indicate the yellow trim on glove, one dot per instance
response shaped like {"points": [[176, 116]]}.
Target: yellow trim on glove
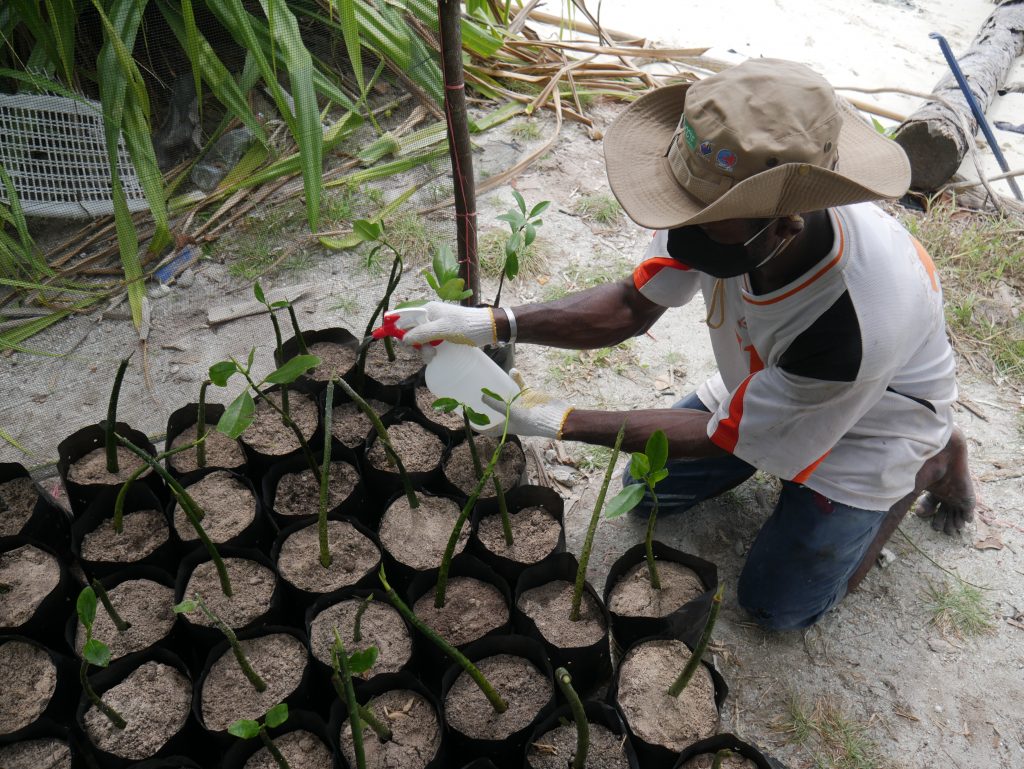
{"points": [[561, 425]]}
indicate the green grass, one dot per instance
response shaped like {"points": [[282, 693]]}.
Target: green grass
{"points": [[576, 365], [974, 254], [599, 206], [833, 738], [257, 248], [527, 130], [590, 457], [958, 609], [408, 233], [491, 252]]}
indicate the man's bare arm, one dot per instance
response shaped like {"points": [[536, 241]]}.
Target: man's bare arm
{"points": [[598, 317], [686, 430]]}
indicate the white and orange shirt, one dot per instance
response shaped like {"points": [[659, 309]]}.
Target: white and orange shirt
{"points": [[842, 380]]}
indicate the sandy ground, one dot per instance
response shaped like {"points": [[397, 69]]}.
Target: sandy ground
{"points": [[925, 698]]}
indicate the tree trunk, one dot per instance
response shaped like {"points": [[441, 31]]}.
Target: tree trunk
{"points": [[449, 21], [934, 137]]}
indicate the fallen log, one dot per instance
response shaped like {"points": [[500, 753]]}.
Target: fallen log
{"points": [[936, 137]]}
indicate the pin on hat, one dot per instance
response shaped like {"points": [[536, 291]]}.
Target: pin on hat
{"points": [[765, 138]]}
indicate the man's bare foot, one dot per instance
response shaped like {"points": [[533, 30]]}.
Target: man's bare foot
{"points": [[948, 493]]}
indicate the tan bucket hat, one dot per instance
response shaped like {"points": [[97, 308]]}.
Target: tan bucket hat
{"points": [[762, 139]]}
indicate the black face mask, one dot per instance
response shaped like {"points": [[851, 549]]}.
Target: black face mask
{"points": [[692, 247]]}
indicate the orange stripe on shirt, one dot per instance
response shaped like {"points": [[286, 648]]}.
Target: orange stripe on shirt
{"points": [[810, 280], [808, 471], [648, 268], [926, 260], [727, 434]]}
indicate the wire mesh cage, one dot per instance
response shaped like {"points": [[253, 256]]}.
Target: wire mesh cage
{"points": [[54, 150]]}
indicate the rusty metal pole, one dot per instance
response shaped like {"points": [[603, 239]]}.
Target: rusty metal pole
{"points": [[449, 14]]}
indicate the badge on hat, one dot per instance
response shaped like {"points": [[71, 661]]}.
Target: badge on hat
{"points": [[726, 160], [689, 135], [706, 148]]}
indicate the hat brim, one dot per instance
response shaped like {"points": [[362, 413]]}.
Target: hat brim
{"points": [[870, 167]]}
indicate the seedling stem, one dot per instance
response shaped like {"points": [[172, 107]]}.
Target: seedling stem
{"points": [[111, 422], [101, 593], [201, 426], [357, 630], [579, 715], [691, 666], [325, 477], [254, 678]]}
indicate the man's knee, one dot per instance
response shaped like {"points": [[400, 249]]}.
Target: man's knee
{"points": [[775, 607]]}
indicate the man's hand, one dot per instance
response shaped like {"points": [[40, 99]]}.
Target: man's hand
{"points": [[948, 497], [948, 515], [534, 412], [448, 322]]}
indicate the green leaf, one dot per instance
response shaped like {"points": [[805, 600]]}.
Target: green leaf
{"points": [[476, 417], [252, 355], [639, 466], [512, 245], [625, 500], [342, 244], [529, 233], [512, 266], [491, 394], [432, 282], [519, 200], [257, 291], [658, 476], [445, 405], [514, 218], [185, 607], [277, 715], [540, 208], [362, 661], [411, 303], [86, 607], [96, 653], [237, 416], [452, 290], [244, 728], [221, 372], [293, 369], [657, 450], [366, 229], [350, 33]]}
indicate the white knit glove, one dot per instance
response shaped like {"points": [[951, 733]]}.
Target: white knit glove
{"points": [[447, 322], [534, 412]]}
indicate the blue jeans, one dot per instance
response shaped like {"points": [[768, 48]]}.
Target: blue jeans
{"points": [[805, 553]]}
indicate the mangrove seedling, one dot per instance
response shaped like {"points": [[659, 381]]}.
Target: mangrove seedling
{"points": [[344, 667], [325, 478], [94, 652], [579, 715], [242, 410], [648, 468], [385, 440], [201, 425], [357, 629], [108, 607], [110, 423], [373, 232], [193, 512], [702, 646], [588, 541], [257, 291], [197, 602], [444, 279], [720, 757], [446, 406], [499, 704], [523, 230], [453, 539], [247, 730]]}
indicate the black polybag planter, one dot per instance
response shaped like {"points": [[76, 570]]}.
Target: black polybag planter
{"points": [[174, 640], [506, 753], [60, 708], [101, 513], [202, 639], [168, 762], [258, 463], [431, 661], [259, 533], [519, 498], [377, 686], [722, 741], [401, 574], [186, 741], [597, 713], [46, 625], [186, 418], [653, 756], [298, 599], [385, 484], [480, 763], [324, 671], [373, 387], [591, 665], [47, 523], [298, 720], [457, 439], [299, 698], [59, 731], [353, 505], [686, 623], [92, 437], [335, 335]]}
